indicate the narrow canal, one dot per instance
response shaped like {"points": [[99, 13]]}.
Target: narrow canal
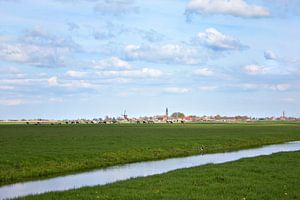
{"points": [[141, 169]]}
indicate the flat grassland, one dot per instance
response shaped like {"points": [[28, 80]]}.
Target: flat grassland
{"points": [[31, 152], [266, 177]]}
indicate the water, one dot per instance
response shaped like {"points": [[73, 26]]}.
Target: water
{"points": [[142, 169]]}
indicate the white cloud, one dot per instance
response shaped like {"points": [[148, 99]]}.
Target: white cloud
{"points": [[34, 55], [282, 87], [289, 100], [216, 40], [151, 72], [150, 35], [237, 8], [203, 72], [270, 55], [109, 31], [177, 90], [23, 81], [6, 87], [249, 86], [75, 84], [277, 87], [144, 72], [167, 53], [56, 100], [10, 70], [208, 88], [113, 62], [116, 7], [71, 84], [38, 48], [76, 74], [11, 102], [53, 81], [255, 69], [14, 53]]}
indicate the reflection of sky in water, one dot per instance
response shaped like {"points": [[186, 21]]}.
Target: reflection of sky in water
{"points": [[113, 174]]}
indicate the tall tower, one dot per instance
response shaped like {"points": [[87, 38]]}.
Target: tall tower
{"points": [[125, 115], [167, 113], [283, 114]]}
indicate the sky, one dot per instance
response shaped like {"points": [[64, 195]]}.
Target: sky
{"points": [[69, 59]]}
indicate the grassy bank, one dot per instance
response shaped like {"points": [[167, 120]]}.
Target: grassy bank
{"points": [[267, 177], [30, 152]]}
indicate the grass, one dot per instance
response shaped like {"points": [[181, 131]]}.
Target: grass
{"points": [[267, 177], [31, 152]]}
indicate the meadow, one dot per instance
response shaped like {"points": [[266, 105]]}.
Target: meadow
{"points": [[266, 177], [31, 152]]}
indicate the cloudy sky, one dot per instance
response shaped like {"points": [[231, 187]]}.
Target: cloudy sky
{"points": [[91, 58]]}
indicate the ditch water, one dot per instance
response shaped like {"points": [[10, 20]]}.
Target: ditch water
{"points": [[141, 169]]}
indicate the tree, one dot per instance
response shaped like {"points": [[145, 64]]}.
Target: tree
{"points": [[178, 115]]}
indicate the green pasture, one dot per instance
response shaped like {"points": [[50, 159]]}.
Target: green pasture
{"points": [[30, 152]]}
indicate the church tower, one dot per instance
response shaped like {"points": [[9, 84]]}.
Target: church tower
{"points": [[167, 113]]}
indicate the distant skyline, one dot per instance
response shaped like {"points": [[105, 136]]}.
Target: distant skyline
{"points": [[91, 58]]}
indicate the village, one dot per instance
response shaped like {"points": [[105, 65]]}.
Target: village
{"points": [[176, 117]]}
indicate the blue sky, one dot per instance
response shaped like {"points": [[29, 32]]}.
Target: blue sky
{"points": [[91, 58]]}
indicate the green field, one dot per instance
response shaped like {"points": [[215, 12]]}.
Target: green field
{"points": [[32, 152], [267, 177]]}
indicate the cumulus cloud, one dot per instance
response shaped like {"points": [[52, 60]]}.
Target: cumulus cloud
{"points": [[6, 87], [112, 62], [40, 36], [72, 26], [11, 102], [38, 48], [282, 87], [270, 55], [203, 72], [13, 52], [11, 70], [150, 35], [71, 84], [289, 100], [75, 84], [144, 72], [108, 31], [177, 90], [237, 8], [116, 67], [255, 69], [276, 87], [116, 7], [56, 100], [216, 40], [167, 53], [76, 74], [208, 88], [10, 1], [53, 81], [22, 81]]}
